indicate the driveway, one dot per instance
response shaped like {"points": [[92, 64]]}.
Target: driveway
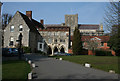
{"points": [[51, 68]]}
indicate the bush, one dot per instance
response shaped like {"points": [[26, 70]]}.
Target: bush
{"points": [[26, 49], [103, 53], [84, 52]]}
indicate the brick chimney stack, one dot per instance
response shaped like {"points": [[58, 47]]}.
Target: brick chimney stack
{"points": [[29, 14], [42, 21]]}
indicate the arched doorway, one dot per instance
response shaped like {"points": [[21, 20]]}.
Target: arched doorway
{"points": [[62, 50], [55, 49], [49, 51]]}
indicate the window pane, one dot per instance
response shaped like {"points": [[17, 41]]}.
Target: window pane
{"points": [[11, 28], [11, 39], [20, 28], [40, 46], [11, 43]]}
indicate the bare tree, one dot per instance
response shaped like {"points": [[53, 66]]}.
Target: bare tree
{"points": [[111, 16], [112, 24], [92, 44], [6, 19]]}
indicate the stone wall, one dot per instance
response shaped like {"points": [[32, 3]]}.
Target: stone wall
{"points": [[16, 21]]}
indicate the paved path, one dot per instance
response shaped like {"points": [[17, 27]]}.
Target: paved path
{"points": [[50, 68]]}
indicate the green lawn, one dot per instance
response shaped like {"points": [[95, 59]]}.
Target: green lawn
{"points": [[99, 62], [15, 69]]}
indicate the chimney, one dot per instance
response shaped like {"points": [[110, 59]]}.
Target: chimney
{"points": [[42, 21], [29, 14]]}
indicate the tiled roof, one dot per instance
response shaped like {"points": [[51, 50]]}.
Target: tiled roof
{"points": [[103, 38], [88, 26], [32, 24], [51, 25]]}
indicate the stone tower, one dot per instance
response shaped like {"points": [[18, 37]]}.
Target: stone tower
{"points": [[72, 22]]}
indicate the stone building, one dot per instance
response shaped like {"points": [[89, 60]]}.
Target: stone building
{"points": [[26, 25], [57, 38]]}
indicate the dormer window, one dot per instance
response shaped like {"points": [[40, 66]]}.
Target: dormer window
{"points": [[12, 28], [20, 28]]}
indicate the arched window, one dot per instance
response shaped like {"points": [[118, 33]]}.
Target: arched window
{"points": [[20, 28], [12, 28]]}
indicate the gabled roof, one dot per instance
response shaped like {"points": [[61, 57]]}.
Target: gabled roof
{"points": [[32, 24], [88, 26]]}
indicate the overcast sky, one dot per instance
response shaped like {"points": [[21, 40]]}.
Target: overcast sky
{"points": [[53, 12]]}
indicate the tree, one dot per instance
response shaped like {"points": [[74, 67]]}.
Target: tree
{"points": [[77, 42], [111, 16], [6, 19], [112, 24], [92, 44]]}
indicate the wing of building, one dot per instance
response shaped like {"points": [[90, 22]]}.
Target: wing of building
{"points": [[21, 23]]}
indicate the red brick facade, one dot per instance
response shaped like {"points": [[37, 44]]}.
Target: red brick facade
{"points": [[101, 40]]}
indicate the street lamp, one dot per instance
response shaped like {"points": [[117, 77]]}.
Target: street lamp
{"points": [[20, 44]]}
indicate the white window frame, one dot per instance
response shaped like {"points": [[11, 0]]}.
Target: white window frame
{"points": [[40, 49]]}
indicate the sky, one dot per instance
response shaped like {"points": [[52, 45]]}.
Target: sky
{"points": [[53, 12]]}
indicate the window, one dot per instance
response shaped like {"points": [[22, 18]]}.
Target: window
{"points": [[62, 40], [20, 28], [49, 40], [12, 29], [55, 40], [40, 46], [11, 41]]}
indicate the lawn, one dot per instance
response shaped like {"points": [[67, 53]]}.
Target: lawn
{"points": [[15, 69], [105, 63]]}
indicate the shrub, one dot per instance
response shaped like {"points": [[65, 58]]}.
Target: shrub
{"points": [[26, 49], [103, 53], [84, 52]]}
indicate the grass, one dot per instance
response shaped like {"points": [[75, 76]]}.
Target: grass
{"points": [[15, 69], [105, 63]]}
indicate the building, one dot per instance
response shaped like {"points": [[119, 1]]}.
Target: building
{"points": [[26, 25], [50, 38], [57, 38]]}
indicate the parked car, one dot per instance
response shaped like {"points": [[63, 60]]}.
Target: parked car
{"points": [[62, 54], [13, 51], [56, 53], [10, 51], [68, 54]]}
